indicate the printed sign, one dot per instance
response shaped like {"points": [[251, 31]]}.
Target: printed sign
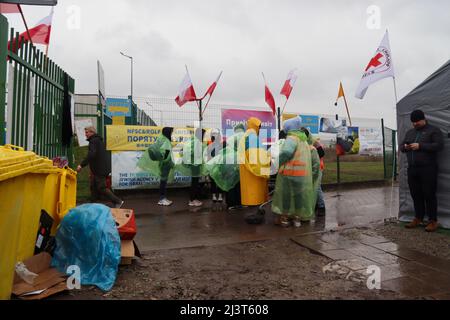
{"points": [[118, 107], [126, 175], [80, 125]]}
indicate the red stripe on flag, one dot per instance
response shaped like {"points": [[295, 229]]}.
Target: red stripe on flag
{"points": [[270, 100], [287, 89], [9, 8]]}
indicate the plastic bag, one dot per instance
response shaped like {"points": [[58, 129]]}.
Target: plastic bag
{"points": [[88, 238], [25, 274]]}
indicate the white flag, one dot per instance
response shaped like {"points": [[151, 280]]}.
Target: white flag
{"points": [[379, 67]]}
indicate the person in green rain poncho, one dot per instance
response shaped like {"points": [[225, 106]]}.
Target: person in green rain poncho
{"points": [[223, 167], [158, 162], [193, 164], [315, 164], [295, 196]]}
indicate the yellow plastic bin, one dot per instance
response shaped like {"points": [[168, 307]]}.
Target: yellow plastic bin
{"points": [[28, 185], [18, 195], [60, 194]]}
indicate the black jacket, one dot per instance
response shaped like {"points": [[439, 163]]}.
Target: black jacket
{"points": [[97, 157], [430, 140]]}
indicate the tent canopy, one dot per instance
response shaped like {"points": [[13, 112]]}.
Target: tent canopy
{"points": [[432, 97]]}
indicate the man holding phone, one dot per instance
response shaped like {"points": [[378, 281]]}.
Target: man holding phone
{"points": [[421, 146]]}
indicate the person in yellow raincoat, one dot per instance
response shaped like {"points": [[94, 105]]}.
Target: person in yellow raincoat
{"points": [[254, 163], [295, 196]]}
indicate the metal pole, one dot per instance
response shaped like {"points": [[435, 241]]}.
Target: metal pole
{"points": [[279, 119], [200, 107], [338, 170], [384, 149], [132, 62]]}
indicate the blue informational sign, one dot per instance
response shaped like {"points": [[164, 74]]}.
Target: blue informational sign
{"points": [[311, 122], [118, 107]]}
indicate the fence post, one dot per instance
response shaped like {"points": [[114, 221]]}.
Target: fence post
{"points": [[338, 170], [384, 149], [3, 65]]}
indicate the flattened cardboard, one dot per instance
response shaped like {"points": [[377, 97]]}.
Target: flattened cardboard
{"points": [[61, 287], [49, 279]]}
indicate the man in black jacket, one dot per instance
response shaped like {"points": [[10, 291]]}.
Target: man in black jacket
{"points": [[421, 146], [97, 160]]}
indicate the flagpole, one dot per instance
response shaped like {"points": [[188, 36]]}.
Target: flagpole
{"points": [[348, 113], [395, 92], [198, 101], [25, 23]]}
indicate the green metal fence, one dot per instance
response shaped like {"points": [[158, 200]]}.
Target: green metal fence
{"points": [[3, 55], [390, 153], [35, 97]]}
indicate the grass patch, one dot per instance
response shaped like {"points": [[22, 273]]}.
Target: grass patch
{"points": [[83, 191], [354, 172]]}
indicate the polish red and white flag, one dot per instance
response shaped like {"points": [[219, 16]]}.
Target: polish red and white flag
{"points": [[213, 86], [270, 100], [41, 32], [6, 8], [289, 84], [186, 92]]}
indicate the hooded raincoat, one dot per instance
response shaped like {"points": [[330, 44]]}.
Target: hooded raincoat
{"points": [[295, 194], [224, 167], [158, 159], [254, 166]]}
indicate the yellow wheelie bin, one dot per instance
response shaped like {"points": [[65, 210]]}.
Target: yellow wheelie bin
{"points": [[28, 185], [20, 192]]}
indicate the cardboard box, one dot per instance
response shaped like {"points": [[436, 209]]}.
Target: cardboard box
{"points": [[48, 282], [129, 251], [125, 222]]}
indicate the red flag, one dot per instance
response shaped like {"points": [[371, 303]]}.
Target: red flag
{"points": [[213, 86], [9, 8], [289, 84], [270, 100], [187, 92], [40, 33]]}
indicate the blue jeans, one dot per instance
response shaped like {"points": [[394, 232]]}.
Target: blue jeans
{"points": [[320, 199]]}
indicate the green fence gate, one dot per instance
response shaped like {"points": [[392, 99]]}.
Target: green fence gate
{"points": [[35, 97], [390, 152]]}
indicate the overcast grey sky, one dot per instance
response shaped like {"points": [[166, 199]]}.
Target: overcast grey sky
{"points": [[328, 41]]}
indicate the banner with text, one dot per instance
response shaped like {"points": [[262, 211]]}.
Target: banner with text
{"points": [[140, 138], [126, 175], [309, 122], [232, 117]]}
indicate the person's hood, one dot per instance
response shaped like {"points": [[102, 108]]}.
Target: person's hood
{"points": [[254, 124], [167, 132], [294, 124], [95, 136], [239, 128]]}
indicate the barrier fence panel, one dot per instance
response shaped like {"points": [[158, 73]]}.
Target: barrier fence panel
{"points": [[35, 103], [390, 153], [3, 55]]}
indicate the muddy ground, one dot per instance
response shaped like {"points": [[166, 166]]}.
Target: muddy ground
{"points": [[274, 269]]}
